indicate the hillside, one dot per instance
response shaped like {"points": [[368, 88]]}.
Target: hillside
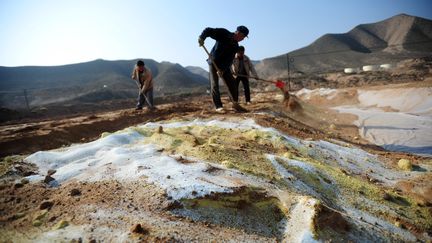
{"points": [[389, 41], [90, 82], [198, 70]]}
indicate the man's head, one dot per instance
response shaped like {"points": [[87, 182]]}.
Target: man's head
{"points": [[241, 33], [140, 65], [240, 51]]}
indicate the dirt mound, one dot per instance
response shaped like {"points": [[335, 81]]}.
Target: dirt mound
{"points": [[292, 104]]}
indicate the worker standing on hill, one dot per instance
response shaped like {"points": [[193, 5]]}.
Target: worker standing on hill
{"points": [[242, 67], [144, 79], [220, 61]]}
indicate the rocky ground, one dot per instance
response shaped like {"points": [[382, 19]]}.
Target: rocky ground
{"points": [[137, 210]]}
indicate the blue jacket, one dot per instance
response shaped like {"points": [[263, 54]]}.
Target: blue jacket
{"points": [[225, 48]]}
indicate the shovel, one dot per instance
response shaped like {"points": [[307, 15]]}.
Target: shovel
{"points": [[148, 102], [278, 83], [236, 106], [145, 97]]}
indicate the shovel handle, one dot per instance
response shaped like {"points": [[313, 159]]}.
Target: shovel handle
{"points": [[211, 58], [265, 80], [205, 49], [280, 84]]}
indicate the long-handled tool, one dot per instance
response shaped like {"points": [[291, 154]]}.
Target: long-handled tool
{"points": [[148, 102], [142, 92], [236, 105], [278, 83]]}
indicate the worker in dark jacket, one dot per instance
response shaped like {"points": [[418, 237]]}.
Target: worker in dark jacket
{"points": [[222, 55]]}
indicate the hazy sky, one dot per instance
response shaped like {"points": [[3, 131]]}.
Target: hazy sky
{"points": [[57, 32]]}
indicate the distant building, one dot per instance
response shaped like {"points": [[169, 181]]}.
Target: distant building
{"points": [[351, 70], [386, 66], [369, 68]]}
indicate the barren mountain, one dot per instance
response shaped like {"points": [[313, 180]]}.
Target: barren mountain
{"points": [[90, 82], [389, 41], [198, 70]]}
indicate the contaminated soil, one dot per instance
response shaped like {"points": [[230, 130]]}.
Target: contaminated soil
{"points": [[140, 211]]}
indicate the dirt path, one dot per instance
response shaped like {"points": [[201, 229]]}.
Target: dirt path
{"points": [[34, 136]]}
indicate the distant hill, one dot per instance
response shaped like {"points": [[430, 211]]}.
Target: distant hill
{"points": [[198, 70], [254, 62], [91, 81], [389, 41]]}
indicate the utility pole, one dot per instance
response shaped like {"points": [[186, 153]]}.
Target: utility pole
{"points": [[26, 99], [288, 69]]}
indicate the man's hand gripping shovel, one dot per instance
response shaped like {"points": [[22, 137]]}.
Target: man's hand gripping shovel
{"points": [[236, 105], [151, 107]]}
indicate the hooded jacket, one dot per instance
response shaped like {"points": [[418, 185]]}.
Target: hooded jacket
{"points": [[247, 65]]}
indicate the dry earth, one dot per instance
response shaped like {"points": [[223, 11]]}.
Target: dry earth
{"points": [[139, 210]]}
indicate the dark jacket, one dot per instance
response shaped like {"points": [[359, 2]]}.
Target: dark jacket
{"points": [[225, 48]]}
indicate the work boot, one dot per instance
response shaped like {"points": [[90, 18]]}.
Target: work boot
{"points": [[238, 107], [220, 110]]}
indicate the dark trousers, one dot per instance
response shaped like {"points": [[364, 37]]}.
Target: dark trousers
{"points": [[230, 83], [245, 82], [142, 100]]}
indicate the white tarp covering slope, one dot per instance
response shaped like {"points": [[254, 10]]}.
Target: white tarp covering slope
{"points": [[407, 127]]}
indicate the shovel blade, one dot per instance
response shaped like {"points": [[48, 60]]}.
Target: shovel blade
{"points": [[280, 84]]}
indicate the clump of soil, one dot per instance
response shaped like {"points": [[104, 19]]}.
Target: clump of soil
{"points": [[292, 104], [328, 221], [247, 209]]}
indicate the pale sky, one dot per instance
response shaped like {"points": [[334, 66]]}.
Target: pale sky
{"points": [[58, 32]]}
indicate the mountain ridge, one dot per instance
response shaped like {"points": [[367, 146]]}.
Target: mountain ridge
{"points": [[51, 84], [391, 40], [80, 73]]}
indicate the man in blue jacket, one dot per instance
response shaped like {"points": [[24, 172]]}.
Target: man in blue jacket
{"points": [[222, 56]]}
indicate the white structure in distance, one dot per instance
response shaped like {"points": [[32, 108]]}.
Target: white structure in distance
{"points": [[369, 68], [352, 70]]}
